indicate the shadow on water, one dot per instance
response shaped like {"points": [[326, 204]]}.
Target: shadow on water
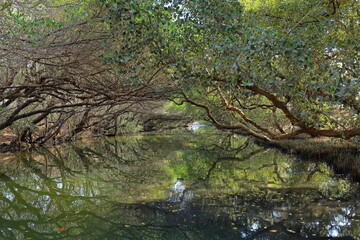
{"points": [[194, 185]]}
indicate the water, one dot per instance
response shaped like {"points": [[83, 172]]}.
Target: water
{"points": [[186, 185]]}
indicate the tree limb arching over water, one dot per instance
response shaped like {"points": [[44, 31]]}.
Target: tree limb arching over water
{"points": [[71, 69]]}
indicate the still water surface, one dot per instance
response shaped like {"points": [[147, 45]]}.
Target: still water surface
{"points": [[190, 185]]}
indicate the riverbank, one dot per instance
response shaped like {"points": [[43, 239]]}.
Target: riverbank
{"points": [[343, 156]]}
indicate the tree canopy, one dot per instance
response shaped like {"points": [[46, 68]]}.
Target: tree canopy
{"points": [[56, 79], [273, 69], [293, 64]]}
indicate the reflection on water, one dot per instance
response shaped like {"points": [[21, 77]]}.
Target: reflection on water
{"points": [[196, 185], [195, 126], [179, 194]]}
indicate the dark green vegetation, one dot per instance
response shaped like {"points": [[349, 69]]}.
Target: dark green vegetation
{"points": [[273, 69], [343, 157], [120, 188], [270, 69]]}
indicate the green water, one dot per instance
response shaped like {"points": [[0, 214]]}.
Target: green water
{"points": [[127, 188]]}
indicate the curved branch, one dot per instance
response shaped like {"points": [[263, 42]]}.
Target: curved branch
{"points": [[220, 125], [242, 114], [347, 134]]}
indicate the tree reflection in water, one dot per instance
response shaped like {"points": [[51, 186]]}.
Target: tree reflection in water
{"points": [[123, 188]]}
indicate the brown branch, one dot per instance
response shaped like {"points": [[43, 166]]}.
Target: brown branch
{"points": [[242, 114], [6, 6], [13, 116], [220, 125], [277, 103], [347, 134]]}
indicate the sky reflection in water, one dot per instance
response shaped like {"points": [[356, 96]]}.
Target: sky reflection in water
{"points": [[181, 185]]}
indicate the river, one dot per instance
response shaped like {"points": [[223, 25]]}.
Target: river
{"points": [[203, 184]]}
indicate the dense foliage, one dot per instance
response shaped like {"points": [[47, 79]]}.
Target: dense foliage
{"points": [[55, 80], [274, 69]]}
